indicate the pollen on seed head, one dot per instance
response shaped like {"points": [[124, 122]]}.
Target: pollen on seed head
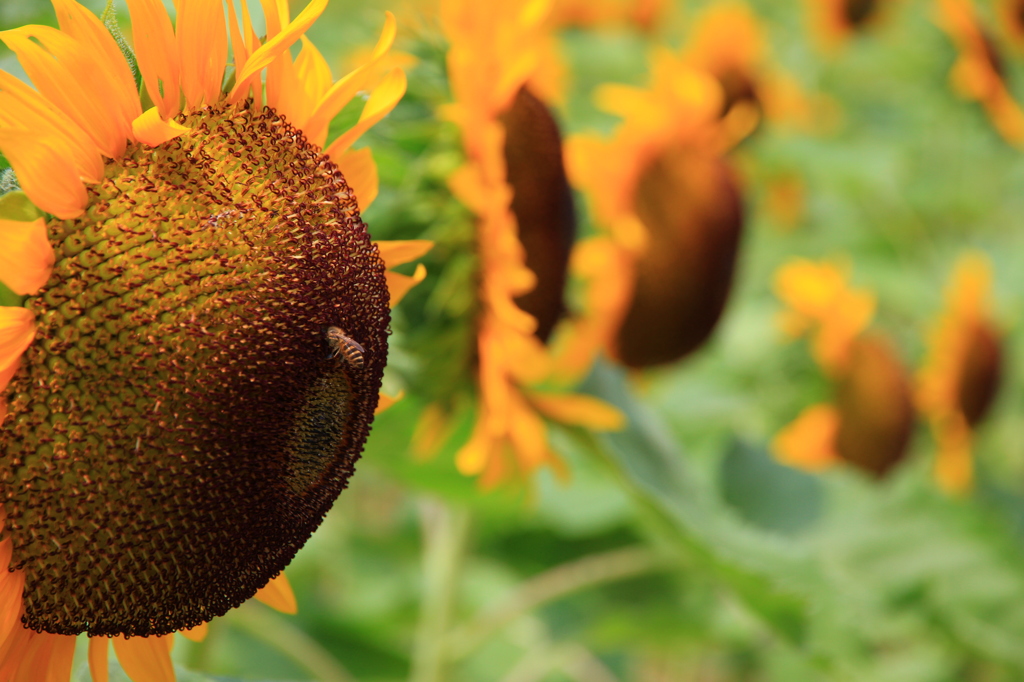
{"points": [[179, 428]]}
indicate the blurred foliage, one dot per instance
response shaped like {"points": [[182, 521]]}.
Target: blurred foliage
{"points": [[678, 549]]}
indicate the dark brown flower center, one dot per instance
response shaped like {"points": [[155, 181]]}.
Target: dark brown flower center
{"points": [[689, 202], [181, 424], [876, 414], [542, 204], [857, 12], [980, 373]]}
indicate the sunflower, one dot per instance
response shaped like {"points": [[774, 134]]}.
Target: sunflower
{"points": [[668, 208], [979, 72], [192, 343], [728, 41], [1011, 19], [514, 183], [643, 14], [835, 21], [961, 373], [870, 420]]}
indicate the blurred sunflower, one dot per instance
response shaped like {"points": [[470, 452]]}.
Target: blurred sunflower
{"points": [[962, 370], [871, 418], [191, 348], [643, 14], [1011, 20], [514, 183], [979, 71], [728, 41], [835, 21], [669, 209]]}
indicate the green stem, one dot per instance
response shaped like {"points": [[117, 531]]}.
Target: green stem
{"points": [[445, 531]]}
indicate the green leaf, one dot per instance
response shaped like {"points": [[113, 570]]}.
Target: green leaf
{"points": [[17, 206]]}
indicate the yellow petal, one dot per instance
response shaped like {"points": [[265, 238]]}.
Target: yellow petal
{"points": [[278, 44], [383, 99], [99, 659], [196, 634], [313, 71], [145, 659], [398, 251], [150, 129], [76, 82], [399, 284], [21, 106], [27, 257], [809, 441], [157, 54], [46, 176], [385, 401], [474, 455], [360, 172], [202, 50], [342, 92], [16, 333], [277, 594], [85, 27], [579, 410]]}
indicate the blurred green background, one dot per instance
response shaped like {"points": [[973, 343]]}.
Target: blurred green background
{"points": [[679, 550]]}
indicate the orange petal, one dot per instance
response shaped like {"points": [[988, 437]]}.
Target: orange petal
{"points": [[16, 333], [383, 99], [275, 46], [77, 81], [99, 659], [277, 594], [145, 659], [44, 172], [399, 284], [196, 634], [157, 54], [11, 586], [27, 257], [360, 173], [385, 401], [579, 410], [150, 129], [342, 92], [202, 50], [398, 251], [809, 442], [21, 106], [85, 27], [62, 654]]}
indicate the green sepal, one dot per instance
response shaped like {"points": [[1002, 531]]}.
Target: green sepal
{"points": [[109, 19], [17, 206]]}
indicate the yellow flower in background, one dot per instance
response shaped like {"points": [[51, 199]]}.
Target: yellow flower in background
{"points": [[870, 420], [962, 370], [821, 303], [191, 349], [643, 14], [979, 71], [513, 181], [1011, 20], [669, 213], [836, 21], [728, 41]]}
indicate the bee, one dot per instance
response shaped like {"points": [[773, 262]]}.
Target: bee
{"points": [[345, 346]]}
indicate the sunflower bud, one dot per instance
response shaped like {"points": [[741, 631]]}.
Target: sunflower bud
{"points": [[542, 204], [689, 202]]}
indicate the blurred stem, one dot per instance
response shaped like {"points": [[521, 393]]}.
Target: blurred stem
{"points": [[553, 584], [266, 625], [445, 531]]}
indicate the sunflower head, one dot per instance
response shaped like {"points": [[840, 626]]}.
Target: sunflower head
{"points": [[868, 425], [963, 368], [836, 20], [192, 376]]}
